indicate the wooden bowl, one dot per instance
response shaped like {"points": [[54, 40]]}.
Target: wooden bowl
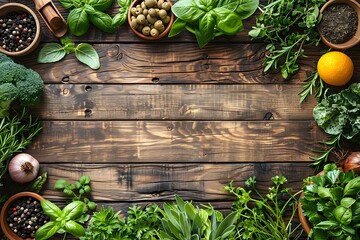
{"points": [[161, 35], [356, 38], [3, 215], [16, 7]]}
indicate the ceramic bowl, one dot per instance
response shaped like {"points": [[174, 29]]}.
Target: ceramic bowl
{"points": [[161, 35], [356, 38], [3, 215], [17, 7]]}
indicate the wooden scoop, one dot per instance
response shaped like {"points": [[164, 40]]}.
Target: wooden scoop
{"points": [[52, 17]]}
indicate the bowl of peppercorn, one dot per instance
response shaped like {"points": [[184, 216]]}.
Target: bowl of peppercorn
{"points": [[19, 29], [150, 19], [339, 26], [22, 215]]}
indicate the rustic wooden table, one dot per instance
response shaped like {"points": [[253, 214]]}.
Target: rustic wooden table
{"points": [[164, 118]]}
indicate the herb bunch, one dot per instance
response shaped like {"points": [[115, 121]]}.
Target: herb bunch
{"points": [[264, 217], [288, 26]]}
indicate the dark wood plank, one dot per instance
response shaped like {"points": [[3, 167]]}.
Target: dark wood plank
{"points": [[166, 102], [133, 183], [176, 141]]}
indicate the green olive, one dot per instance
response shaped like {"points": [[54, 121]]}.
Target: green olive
{"points": [[166, 6], [151, 19], [139, 11], [143, 5], [140, 19], [134, 23], [149, 3], [158, 25], [166, 20], [159, 3], [133, 17], [138, 6], [162, 13], [154, 32], [146, 30], [133, 11], [145, 12], [139, 28], [152, 12]]}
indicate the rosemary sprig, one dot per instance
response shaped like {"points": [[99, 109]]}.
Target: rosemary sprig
{"points": [[330, 145], [314, 85]]}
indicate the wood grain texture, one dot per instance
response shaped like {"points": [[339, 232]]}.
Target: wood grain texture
{"points": [[175, 141], [160, 182], [167, 102]]}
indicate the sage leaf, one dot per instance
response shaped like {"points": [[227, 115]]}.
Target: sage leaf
{"points": [[47, 230], [86, 54], [50, 209], [51, 52], [74, 228], [78, 21]]}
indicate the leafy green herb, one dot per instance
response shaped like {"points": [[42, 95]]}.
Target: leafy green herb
{"points": [[211, 18], [184, 221], [61, 221], [289, 26], [264, 217], [314, 86], [120, 18], [82, 12], [338, 115], [84, 52], [331, 204], [16, 133], [37, 184]]}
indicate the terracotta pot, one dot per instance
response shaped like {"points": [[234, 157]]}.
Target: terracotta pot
{"points": [[161, 35], [356, 38], [3, 215], [15, 7]]}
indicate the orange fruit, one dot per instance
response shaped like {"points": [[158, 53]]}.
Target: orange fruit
{"points": [[335, 68]]}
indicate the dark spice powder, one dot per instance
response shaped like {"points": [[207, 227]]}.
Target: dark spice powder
{"points": [[339, 23]]}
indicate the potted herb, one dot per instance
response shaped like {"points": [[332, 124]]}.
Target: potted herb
{"points": [[330, 204]]}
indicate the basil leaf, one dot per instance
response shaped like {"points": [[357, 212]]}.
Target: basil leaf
{"points": [[78, 21], [124, 3], [69, 4], [228, 4], [89, 9], [177, 26], [47, 230], [205, 5], [227, 21], [50, 209], [120, 18], [343, 215], [246, 8], [102, 21], [187, 10], [86, 54], [356, 212], [324, 192], [60, 184], [347, 202], [206, 30], [327, 225], [74, 228], [68, 44], [73, 210], [352, 188], [51, 52], [101, 5]]}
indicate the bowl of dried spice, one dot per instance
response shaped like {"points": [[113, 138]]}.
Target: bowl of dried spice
{"points": [[339, 27], [19, 29]]}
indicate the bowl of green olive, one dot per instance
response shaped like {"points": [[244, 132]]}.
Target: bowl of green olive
{"points": [[150, 19]]}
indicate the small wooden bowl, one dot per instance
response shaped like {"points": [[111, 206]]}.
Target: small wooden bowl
{"points": [[3, 215], [356, 38], [161, 35], [17, 7]]}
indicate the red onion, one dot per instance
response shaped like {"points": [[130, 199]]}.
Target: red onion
{"points": [[352, 162], [23, 168]]}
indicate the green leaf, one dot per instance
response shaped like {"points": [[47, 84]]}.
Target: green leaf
{"points": [[177, 27], [356, 212], [187, 10], [73, 210], [352, 188], [227, 21], [84, 179], [68, 44], [47, 230], [246, 8], [51, 52], [50, 209], [327, 225], [227, 222], [69, 4], [90, 10], [86, 54], [347, 202], [101, 5], [78, 21], [324, 192], [102, 21], [74, 228], [206, 30], [60, 184], [342, 215], [206, 5], [119, 19]]}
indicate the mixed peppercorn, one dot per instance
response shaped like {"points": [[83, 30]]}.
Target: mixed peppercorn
{"points": [[17, 31], [25, 216]]}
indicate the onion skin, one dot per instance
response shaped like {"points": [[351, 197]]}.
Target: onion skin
{"points": [[23, 168], [352, 162]]}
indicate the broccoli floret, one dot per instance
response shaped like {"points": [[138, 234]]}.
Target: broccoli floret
{"points": [[18, 83], [8, 93]]}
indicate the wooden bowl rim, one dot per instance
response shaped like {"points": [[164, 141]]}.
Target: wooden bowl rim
{"points": [[21, 7], [3, 215], [356, 38], [161, 35]]}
